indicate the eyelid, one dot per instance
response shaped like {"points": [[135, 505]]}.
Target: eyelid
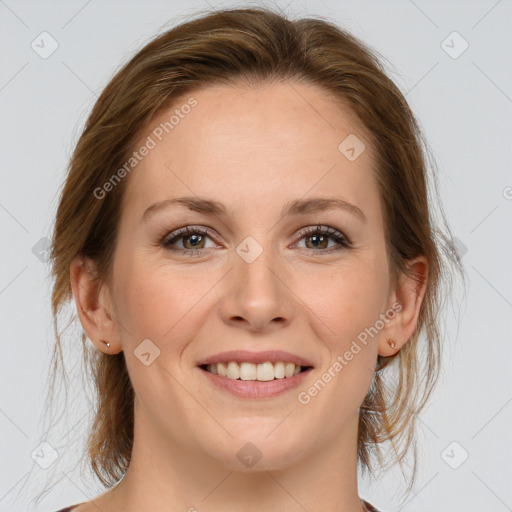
{"points": [[324, 230], [179, 233], [342, 241]]}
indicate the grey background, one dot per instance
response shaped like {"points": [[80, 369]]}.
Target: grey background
{"points": [[464, 105]]}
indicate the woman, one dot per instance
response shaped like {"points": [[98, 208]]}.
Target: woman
{"points": [[246, 232]]}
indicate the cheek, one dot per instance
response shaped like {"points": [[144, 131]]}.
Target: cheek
{"points": [[346, 306], [158, 303], [148, 300], [346, 301]]}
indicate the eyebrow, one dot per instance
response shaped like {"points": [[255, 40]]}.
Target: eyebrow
{"points": [[297, 207]]}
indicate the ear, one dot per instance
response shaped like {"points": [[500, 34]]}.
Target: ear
{"points": [[93, 305], [406, 301]]}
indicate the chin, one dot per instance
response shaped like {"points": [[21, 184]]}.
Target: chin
{"points": [[258, 448]]}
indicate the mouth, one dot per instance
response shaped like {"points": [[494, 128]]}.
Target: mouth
{"points": [[262, 372], [255, 375]]}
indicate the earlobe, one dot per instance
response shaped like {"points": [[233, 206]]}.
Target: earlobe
{"points": [[94, 316], [388, 347]]}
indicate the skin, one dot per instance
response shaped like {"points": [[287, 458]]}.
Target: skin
{"points": [[254, 150]]}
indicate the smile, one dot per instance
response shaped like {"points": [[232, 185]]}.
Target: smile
{"points": [[256, 372], [253, 387]]}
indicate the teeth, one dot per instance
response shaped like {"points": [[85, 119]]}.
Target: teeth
{"points": [[233, 370], [222, 369], [249, 371], [279, 370], [265, 372]]}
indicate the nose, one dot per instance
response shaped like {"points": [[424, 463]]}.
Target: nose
{"points": [[257, 297]]}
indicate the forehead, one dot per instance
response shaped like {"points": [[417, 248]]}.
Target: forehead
{"points": [[238, 144]]}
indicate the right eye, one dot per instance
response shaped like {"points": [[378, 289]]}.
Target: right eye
{"points": [[193, 235]]}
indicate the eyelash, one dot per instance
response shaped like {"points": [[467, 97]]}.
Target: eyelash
{"points": [[334, 234]]}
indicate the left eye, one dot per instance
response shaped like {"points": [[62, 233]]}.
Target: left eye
{"points": [[194, 238], [321, 236]]}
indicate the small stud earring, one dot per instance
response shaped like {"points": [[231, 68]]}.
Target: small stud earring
{"points": [[108, 344], [391, 343]]}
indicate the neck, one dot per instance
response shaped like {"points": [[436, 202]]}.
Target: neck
{"points": [[164, 472]]}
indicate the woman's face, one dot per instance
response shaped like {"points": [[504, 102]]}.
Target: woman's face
{"points": [[255, 282]]}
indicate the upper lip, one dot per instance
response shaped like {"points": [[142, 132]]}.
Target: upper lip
{"points": [[256, 357]]}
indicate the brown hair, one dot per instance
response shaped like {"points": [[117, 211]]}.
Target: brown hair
{"points": [[253, 46]]}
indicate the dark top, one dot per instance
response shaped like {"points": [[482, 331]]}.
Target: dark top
{"points": [[369, 506]]}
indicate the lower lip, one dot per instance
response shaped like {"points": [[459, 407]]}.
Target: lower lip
{"points": [[254, 388]]}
